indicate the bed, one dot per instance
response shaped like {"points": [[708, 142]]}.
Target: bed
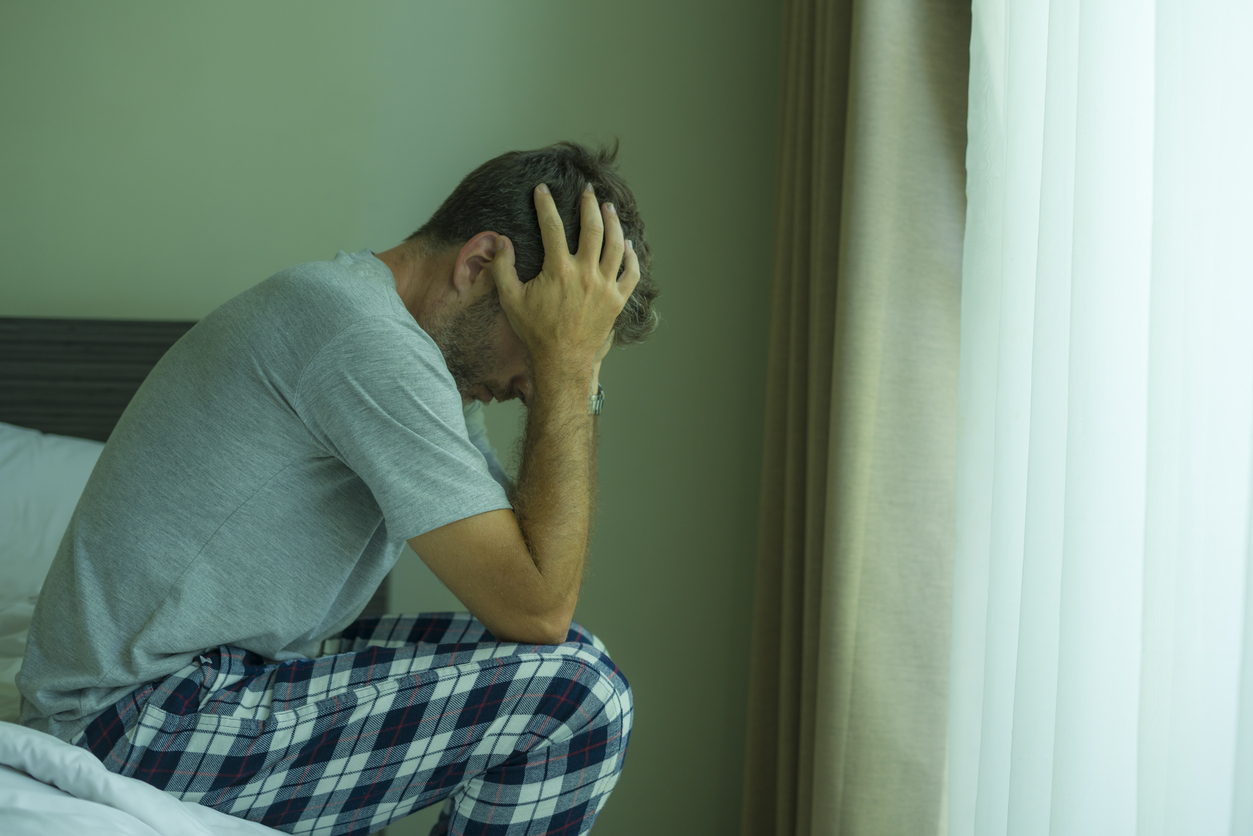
{"points": [[63, 385]]}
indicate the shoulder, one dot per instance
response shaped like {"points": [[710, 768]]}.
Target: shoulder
{"points": [[348, 287], [327, 309], [387, 360]]}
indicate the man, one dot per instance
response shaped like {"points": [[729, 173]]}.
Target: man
{"points": [[197, 629]]}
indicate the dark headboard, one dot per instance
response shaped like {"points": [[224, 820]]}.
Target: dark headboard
{"points": [[76, 376]]}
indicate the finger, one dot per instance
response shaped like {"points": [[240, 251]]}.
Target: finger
{"points": [[592, 228], [631, 275], [501, 269], [552, 231], [611, 257], [509, 288]]}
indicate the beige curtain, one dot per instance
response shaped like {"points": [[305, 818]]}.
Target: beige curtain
{"points": [[852, 617]]}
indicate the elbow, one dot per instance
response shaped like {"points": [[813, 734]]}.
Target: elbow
{"points": [[553, 630], [552, 638], [559, 633], [550, 629], [550, 624]]}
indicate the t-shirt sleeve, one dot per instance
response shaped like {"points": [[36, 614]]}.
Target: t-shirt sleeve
{"points": [[379, 398]]}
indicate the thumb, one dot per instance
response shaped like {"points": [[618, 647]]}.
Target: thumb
{"points": [[501, 267]]}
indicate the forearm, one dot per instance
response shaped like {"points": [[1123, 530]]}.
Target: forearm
{"points": [[565, 317], [556, 486]]}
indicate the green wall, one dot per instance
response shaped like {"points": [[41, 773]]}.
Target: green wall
{"points": [[157, 158]]}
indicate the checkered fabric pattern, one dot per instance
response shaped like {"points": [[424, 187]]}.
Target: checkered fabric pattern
{"points": [[400, 713]]}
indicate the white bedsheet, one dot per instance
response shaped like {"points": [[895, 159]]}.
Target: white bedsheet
{"points": [[50, 788]]}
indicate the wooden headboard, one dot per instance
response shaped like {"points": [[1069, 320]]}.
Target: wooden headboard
{"points": [[76, 376]]}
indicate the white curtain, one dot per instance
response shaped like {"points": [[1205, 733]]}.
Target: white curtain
{"points": [[1102, 660]]}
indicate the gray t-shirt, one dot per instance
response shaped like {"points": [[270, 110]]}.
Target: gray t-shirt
{"points": [[256, 491]]}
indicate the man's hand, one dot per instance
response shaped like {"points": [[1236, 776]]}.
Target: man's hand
{"points": [[565, 315], [519, 571]]}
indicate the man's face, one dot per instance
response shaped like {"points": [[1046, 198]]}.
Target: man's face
{"points": [[486, 357]]}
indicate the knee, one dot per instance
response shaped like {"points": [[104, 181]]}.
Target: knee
{"points": [[581, 635], [593, 651], [608, 691]]}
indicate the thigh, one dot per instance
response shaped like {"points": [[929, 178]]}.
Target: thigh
{"points": [[442, 629], [373, 651], [370, 734]]}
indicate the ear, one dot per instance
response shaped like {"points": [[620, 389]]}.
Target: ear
{"points": [[468, 276]]}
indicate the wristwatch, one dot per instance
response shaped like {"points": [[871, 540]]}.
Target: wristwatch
{"points": [[595, 402]]}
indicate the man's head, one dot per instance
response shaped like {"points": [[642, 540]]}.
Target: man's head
{"points": [[484, 356], [498, 196]]}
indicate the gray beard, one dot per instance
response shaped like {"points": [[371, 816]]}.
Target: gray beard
{"points": [[467, 341]]}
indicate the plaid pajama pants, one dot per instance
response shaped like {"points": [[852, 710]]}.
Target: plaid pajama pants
{"points": [[400, 713]]}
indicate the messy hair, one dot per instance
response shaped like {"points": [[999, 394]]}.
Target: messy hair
{"points": [[498, 197]]}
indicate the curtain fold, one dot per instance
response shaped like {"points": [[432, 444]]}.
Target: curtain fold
{"points": [[849, 655], [1101, 679]]}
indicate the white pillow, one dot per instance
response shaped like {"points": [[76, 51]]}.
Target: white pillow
{"points": [[41, 478]]}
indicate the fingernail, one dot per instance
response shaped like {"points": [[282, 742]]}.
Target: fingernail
{"points": [[543, 188], [612, 210], [500, 243], [629, 244], [590, 189]]}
